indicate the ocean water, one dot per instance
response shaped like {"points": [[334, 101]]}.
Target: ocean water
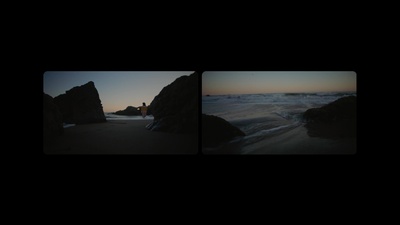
{"points": [[110, 116], [263, 116]]}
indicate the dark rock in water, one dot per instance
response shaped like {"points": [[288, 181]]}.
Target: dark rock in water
{"points": [[175, 108], [216, 130], [336, 119], [52, 118], [81, 105], [131, 111]]}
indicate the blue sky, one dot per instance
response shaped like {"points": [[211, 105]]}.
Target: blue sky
{"points": [[253, 82], [117, 89]]}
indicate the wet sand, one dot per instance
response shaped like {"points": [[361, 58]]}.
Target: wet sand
{"points": [[294, 141], [120, 137]]}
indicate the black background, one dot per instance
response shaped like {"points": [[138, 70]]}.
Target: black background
{"points": [[294, 48]]}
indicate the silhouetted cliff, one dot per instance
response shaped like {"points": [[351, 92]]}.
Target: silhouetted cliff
{"points": [[81, 105], [175, 108], [52, 118]]}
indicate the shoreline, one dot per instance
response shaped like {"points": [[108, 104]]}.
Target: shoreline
{"points": [[297, 142], [294, 141]]}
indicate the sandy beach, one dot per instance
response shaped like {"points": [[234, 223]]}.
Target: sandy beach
{"points": [[120, 137]]}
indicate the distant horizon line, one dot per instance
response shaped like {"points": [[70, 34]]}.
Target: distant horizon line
{"points": [[282, 93]]}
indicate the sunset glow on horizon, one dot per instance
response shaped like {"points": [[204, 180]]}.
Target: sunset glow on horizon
{"points": [[254, 82], [117, 89]]}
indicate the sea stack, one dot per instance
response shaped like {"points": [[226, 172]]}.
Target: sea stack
{"points": [[81, 105], [130, 111]]}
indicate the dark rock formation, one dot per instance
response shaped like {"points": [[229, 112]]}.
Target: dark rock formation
{"points": [[52, 118], [64, 103], [216, 130], [81, 105], [131, 111], [336, 119], [175, 108]]}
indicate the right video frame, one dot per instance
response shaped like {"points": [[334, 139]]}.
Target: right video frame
{"points": [[279, 112]]}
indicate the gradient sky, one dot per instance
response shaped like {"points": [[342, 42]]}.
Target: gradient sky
{"points": [[254, 82], [117, 89]]}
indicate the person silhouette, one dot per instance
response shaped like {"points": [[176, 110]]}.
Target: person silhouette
{"points": [[143, 109]]}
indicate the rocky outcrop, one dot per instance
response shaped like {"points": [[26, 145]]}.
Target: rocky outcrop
{"points": [[81, 105], [52, 118], [216, 130], [336, 119], [175, 108], [131, 111]]}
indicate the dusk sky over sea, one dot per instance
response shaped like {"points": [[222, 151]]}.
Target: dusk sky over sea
{"points": [[253, 82], [117, 89]]}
